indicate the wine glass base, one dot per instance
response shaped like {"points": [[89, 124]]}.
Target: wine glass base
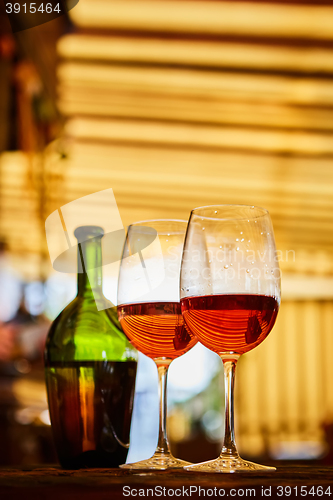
{"points": [[159, 461], [228, 465]]}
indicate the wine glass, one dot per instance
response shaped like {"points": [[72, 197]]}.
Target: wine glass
{"points": [[230, 296], [149, 311]]}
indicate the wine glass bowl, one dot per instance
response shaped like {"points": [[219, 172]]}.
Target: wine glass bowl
{"points": [[230, 296], [149, 310]]}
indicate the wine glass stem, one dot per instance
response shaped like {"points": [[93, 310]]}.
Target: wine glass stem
{"points": [[163, 444], [229, 444]]}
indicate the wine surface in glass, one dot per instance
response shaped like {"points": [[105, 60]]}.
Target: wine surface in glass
{"points": [[230, 323], [157, 329]]}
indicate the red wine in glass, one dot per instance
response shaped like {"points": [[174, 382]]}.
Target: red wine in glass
{"points": [[226, 323], [156, 329]]}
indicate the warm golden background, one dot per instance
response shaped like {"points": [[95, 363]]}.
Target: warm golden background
{"points": [[178, 104]]}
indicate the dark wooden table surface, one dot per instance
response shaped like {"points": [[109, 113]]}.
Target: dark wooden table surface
{"points": [[53, 483]]}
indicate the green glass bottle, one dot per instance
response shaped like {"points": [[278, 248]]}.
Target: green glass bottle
{"points": [[90, 370]]}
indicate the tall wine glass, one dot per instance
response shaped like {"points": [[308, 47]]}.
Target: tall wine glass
{"points": [[149, 311], [230, 296]]}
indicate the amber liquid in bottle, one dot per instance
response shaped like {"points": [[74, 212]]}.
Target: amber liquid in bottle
{"points": [[91, 403]]}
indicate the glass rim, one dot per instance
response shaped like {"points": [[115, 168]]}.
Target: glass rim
{"points": [[251, 207], [156, 220]]}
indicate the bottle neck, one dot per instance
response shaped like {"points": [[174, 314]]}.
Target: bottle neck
{"points": [[90, 268]]}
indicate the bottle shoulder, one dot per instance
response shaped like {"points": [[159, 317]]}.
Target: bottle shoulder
{"points": [[83, 332]]}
